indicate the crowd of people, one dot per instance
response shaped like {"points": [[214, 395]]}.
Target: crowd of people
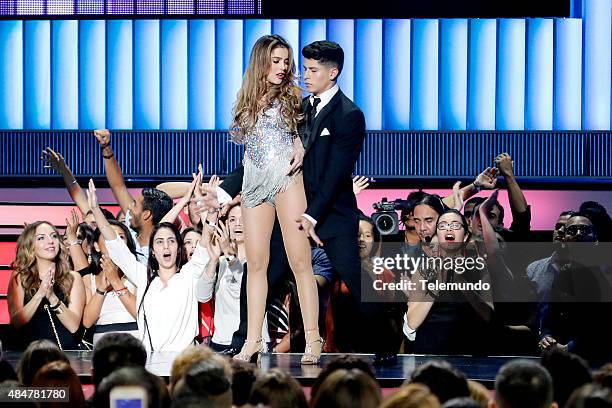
{"points": [[202, 378]]}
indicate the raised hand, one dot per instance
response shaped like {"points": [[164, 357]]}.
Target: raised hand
{"points": [[223, 237], [487, 179], [505, 164], [72, 224], [360, 183], [54, 161], [458, 197], [489, 202], [213, 248], [92, 198], [103, 136]]}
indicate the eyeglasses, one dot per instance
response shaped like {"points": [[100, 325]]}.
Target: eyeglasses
{"points": [[574, 230], [456, 225]]}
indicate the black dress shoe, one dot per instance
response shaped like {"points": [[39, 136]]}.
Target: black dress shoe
{"points": [[385, 359]]}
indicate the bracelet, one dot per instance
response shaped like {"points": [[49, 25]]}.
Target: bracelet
{"points": [[73, 182], [121, 292], [104, 146], [212, 211], [99, 292], [56, 306], [477, 187], [74, 243], [212, 224], [110, 156]]}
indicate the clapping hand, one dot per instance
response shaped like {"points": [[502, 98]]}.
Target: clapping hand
{"points": [[72, 224], [487, 179], [457, 196], [505, 164]]}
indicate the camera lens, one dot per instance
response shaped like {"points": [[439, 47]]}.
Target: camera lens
{"points": [[385, 223]]}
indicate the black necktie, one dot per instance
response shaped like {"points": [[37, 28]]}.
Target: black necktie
{"points": [[312, 112]]}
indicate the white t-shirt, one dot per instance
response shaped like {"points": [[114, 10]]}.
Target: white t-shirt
{"points": [[225, 285], [171, 312]]}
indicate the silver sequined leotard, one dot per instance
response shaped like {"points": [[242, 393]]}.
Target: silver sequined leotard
{"points": [[268, 149]]}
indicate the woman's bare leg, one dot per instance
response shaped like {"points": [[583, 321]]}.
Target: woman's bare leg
{"points": [[290, 205], [258, 223]]}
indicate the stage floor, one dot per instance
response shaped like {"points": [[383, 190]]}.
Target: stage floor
{"points": [[481, 369]]}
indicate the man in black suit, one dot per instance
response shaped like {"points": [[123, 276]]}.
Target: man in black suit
{"points": [[332, 133]]}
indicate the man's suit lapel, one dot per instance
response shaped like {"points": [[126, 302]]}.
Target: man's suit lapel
{"points": [[315, 131]]}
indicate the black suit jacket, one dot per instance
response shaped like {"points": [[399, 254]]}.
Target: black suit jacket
{"points": [[328, 164]]}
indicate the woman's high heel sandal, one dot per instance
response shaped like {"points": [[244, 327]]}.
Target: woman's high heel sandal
{"points": [[310, 357], [255, 357]]}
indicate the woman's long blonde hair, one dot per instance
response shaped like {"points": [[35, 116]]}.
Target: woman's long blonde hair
{"points": [[25, 268], [257, 93]]}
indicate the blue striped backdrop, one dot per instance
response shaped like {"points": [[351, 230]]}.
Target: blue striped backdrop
{"points": [[427, 74]]}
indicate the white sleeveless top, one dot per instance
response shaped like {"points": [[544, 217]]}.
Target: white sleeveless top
{"points": [[113, 312]]}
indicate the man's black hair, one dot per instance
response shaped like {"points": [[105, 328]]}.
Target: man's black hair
{"points": [[325, 52]]}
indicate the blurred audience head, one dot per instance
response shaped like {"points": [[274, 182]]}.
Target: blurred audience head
{"points": [[603, 376], [116, 350], [243, 378], [590, 396], [210, 380], [411, 396], [347, 389], [277, 389], [185, 360], [155, 387], [60, 374], [442, 379], [36, 355], [479, 393], [346, 361], [463, 402], [523, 384], [568, 372]]}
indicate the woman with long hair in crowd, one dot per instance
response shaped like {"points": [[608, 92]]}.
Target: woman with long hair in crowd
{"points": [[111, 297], [167, 307], [45, 298], [266, 119]]}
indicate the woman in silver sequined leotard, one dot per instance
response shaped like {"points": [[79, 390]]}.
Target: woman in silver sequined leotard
{"points": [[265, 121], [268, 150]]}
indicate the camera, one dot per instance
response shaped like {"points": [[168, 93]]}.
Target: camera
{"points": [[385, 218]]}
